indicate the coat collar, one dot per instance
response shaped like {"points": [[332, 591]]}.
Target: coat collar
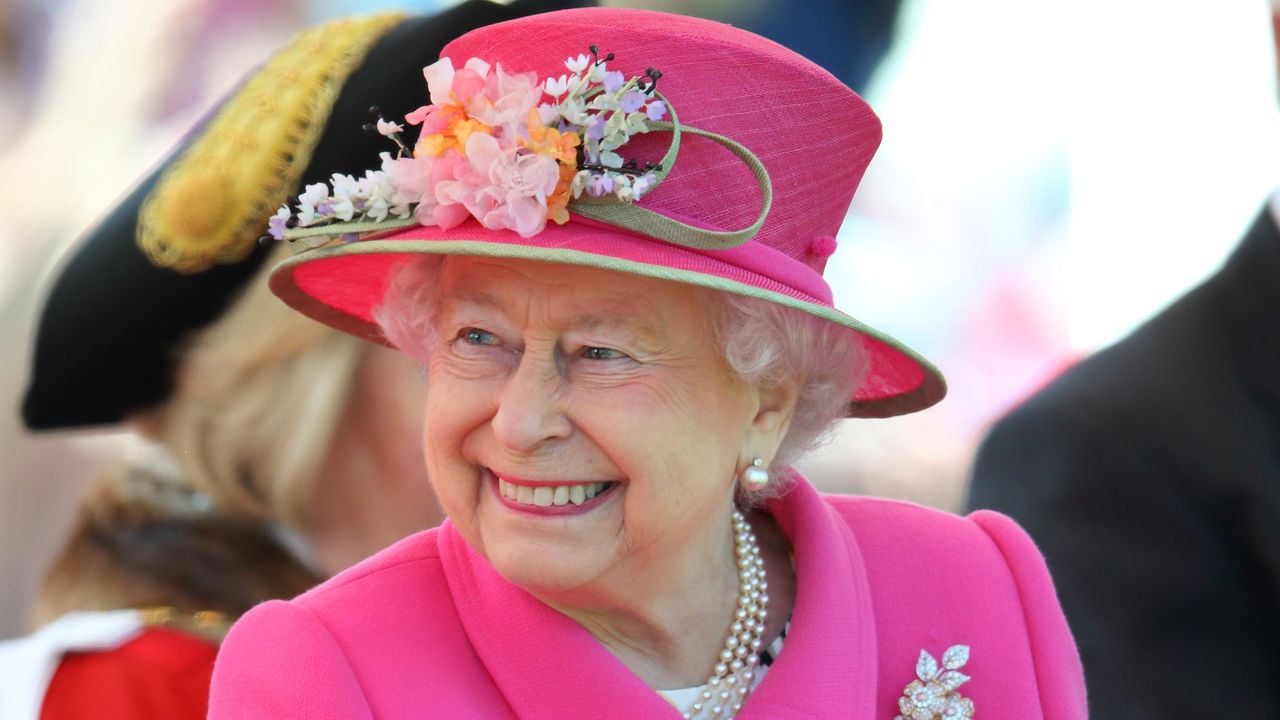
{"points": [[548, 666]]}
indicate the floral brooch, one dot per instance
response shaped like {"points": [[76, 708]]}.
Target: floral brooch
{"points": [[933, 696]]}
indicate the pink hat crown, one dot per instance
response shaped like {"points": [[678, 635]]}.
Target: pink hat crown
{"points": [[726, 81]]}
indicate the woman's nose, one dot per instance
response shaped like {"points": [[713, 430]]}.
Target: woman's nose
{"points": [[530, 412]]}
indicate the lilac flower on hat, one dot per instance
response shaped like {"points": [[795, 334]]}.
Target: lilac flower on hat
{"points": [[632, 101], [595, 130], [278, 222], [613, 81], [600, 185]]}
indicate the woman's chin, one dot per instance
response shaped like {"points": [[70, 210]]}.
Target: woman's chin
{"points": [[547, 573]]}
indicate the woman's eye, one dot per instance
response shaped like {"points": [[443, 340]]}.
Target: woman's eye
{"points": [[602, 353], [476, 336]]}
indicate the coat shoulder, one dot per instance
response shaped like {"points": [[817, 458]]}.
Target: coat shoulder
{"points": [[938, 579], [960, 553], [903, 532], [341, 649]]}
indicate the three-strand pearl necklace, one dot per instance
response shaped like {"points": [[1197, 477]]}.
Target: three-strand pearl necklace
{"points": [[734, 675]]}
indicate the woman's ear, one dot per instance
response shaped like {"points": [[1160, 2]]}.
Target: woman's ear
{"points": [[775, 407]]}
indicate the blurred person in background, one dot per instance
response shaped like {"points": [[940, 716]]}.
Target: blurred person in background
{"points": [[166, 63], [276, 440], [134, 606], [1150, 475]]}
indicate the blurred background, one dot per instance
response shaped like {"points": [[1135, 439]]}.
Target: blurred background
{"points": [[1051, 174]]}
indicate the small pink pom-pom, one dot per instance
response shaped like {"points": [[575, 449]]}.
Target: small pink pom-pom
{"points": [[823, 247]]}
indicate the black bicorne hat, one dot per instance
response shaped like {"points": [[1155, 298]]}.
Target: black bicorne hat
{"points": [[175, 252]]}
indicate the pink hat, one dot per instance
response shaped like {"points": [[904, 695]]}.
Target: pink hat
{"points": [[746, 157]]}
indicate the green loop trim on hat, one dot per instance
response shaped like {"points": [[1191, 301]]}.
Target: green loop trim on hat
{"points": [[656, 225]]}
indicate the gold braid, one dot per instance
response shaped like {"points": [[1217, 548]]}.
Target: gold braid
{"points": [[212, 204]]}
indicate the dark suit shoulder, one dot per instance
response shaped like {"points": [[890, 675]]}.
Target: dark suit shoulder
{"points": [[1181, 355]]}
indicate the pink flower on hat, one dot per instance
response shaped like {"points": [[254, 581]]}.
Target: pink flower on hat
{"points": [[507, 100], [495, 99], [448, 86], [514, 186]]}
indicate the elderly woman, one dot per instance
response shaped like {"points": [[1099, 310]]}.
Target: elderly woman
{"points": [[611, 266]]}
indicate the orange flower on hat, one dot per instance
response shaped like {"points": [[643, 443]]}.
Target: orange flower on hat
{"points": [[561, 147], [543, 140], [455, 127], [558, 202], [456, 97]]}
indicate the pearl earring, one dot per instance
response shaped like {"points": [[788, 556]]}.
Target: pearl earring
{"points": [[755, 476]]}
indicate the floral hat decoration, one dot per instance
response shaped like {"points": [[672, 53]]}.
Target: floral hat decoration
{"points": [[627, 140]]}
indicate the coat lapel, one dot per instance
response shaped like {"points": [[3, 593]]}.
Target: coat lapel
{"points": [[827, 668], [549, 668]]}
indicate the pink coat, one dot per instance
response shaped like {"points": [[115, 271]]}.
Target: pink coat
{"points": [[427, 629]]}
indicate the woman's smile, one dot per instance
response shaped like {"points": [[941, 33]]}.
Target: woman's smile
{"points": [[545, 497]]}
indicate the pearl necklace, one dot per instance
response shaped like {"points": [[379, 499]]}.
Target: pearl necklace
{"points": [[731, 680]]}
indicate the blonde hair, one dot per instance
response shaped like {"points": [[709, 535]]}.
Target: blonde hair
{"points": [[258, 397]]}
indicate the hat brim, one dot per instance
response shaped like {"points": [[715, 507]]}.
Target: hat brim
{"points": [[342, 284]]}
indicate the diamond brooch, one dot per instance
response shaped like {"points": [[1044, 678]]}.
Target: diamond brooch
{"points": [[933, 696]]}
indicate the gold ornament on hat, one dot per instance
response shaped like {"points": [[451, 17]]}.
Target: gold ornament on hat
{"points": [[210, 206]]}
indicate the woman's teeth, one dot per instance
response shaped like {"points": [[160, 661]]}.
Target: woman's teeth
{"points": [[548, 495]]}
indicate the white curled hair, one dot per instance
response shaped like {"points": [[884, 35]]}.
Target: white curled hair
{"points": [[764, 344]]}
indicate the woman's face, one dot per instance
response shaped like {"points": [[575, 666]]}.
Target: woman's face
{"points": [[549, 380]]}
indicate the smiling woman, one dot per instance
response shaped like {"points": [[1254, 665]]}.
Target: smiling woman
{"points": [[617, 292]]}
